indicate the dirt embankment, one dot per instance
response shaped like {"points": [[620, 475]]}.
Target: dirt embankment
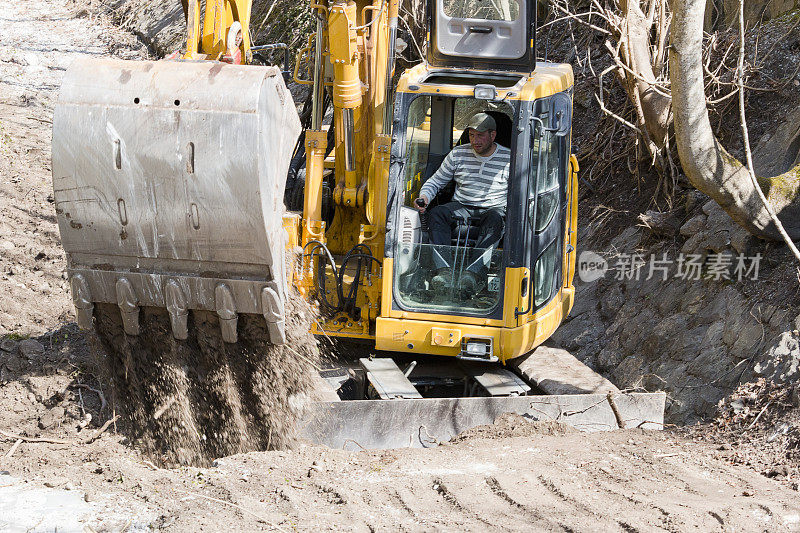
{"points": [[678, 310], [36, 48]]}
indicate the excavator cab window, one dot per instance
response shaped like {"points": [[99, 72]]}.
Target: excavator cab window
{"points": [[491, 35], [434, 125]]}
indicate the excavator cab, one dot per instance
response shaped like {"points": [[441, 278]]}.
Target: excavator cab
{"points": [[481, 59]]}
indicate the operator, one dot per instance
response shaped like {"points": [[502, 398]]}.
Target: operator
{"points": [[480, 170]]}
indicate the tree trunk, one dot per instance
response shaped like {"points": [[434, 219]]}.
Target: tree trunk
{"points": [[709, 167], [635, 38]]}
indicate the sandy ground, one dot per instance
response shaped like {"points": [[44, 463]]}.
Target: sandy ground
{"points": [[39, 40], [513, 476]]}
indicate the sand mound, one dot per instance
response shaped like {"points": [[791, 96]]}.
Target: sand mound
{"points": [[510, 425], [188, 402]]}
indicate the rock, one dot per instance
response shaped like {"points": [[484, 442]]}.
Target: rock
{"points": [[737, 406], [797, 323], [782, 362], [741, 240], [56, 482], [87, 498], [693, 199], [10, 345], [693, 243], [50, 419], [31, 348], [7, 245], [627, 241], [12, 362], [778, 472], [664, 224], [693, 226]]}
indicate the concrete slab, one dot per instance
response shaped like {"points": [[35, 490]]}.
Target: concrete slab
{"points": [[423, 423], [556, 371]]}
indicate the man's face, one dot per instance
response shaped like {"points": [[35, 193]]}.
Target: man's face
{"points": [[481, 141]]}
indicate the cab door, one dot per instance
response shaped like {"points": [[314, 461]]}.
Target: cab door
{"points": [[547, 197]]}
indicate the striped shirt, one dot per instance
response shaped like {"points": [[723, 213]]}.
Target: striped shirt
{"points": [[480, 181]]}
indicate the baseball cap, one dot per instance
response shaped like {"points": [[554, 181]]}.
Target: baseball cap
{"points": [[482, 122]]}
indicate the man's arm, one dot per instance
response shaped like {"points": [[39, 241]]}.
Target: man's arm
{"points": [[440, 178]]}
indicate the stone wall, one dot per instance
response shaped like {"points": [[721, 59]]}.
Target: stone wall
{"points": [[695, 339]]}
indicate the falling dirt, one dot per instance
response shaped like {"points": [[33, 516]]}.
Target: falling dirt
{"points": [[190, 402]]}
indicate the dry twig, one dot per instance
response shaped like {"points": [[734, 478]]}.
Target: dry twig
{"points": [[34, 439], [239, 507], [13, 449], [100, 431]]}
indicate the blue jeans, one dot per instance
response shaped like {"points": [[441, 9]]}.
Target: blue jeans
{"points": [[443, 219]]}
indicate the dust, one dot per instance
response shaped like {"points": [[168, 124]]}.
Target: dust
{"points": [[509, 425], [189, 402]]}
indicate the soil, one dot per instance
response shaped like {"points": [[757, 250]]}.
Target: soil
{"points": [[66, 464], [189, 402]]}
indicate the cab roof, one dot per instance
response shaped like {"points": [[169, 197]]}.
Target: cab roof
{"points": [[545, 80]]}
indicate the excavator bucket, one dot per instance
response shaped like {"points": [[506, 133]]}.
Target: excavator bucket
{"points": [[168, 180]]}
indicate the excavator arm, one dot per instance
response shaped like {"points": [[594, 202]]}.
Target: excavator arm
{"points": [[225, 29]]}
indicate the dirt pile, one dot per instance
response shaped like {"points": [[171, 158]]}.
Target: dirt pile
{"points": [[761, 421], [189, 402], [510, 425]]}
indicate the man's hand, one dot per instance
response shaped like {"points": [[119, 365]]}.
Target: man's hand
{"points": [[421, 203]]}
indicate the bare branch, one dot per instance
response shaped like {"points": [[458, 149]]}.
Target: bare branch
{"points": [[746, 136]]}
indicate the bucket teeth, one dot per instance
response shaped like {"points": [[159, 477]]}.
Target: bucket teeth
{"points": [[177, 309], [273, 310], [226, 310], [82, 299], [128, 306]]}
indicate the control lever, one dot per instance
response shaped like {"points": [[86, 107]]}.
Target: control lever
{"points": [[423, 217]]}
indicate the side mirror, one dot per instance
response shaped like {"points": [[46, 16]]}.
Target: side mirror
{"points": [[560, 114]]}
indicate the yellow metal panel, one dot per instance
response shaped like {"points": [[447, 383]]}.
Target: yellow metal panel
{"points": [[514, 298], [546, 80], [419, 336], [445, 337], [342, 47]]}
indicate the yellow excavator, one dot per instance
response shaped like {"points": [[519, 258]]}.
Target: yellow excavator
{"points": [[171, 176]]}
